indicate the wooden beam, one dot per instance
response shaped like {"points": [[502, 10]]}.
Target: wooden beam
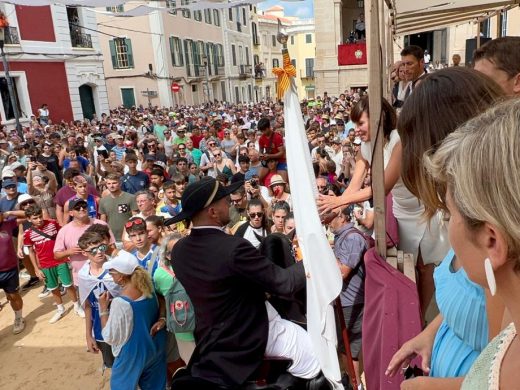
{"points": [[375, 93], [436, 11]]}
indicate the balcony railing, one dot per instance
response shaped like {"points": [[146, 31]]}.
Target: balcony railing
{"points": [[79, 39], [220, 71], [307, 73], [11, 36], [245, 71]]}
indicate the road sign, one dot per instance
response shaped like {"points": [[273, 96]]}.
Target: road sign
{"points": [[175, 87]]}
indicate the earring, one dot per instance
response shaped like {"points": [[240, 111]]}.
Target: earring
{"points": [[490, 276]]}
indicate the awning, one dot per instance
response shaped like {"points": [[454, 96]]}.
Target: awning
{"points": [[412, 16]]}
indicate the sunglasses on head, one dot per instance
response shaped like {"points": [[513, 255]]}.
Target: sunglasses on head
{"points": [[255, 215], [80, 207], [134, 222], [101, 248]]}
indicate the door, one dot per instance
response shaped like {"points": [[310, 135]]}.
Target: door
{"points": [[128, 97], [87, 101]]}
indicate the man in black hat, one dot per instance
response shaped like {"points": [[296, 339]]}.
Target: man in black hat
{"points": [[226, 279]]}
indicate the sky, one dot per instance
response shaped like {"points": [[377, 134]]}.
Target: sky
{"points": [[303, 9]]}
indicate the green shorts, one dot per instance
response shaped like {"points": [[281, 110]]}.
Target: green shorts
{"points": [[56, 274]]}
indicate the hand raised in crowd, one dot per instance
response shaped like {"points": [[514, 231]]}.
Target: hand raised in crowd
{"points": [[328, 203]]}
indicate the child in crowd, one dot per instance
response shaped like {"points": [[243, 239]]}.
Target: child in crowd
{"points": [[94, 281], [40, 239], [169, 206], [145, 251], [81, 188]]}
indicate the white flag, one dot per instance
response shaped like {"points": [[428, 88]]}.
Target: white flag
{"points": [[323, 276]]}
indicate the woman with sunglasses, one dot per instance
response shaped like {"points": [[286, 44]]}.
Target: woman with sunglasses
{"points": [[228, 144], [134, 326], [222, 164]]}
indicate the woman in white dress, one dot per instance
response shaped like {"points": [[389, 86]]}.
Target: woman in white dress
{"points": [[427, 242]]}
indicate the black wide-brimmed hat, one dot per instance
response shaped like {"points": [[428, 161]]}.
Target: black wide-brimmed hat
{"points": [[199, 195]]}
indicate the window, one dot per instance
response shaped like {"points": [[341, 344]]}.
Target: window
{"points": [[223, 88], [309, 67], [276, 63], [273, 37], [241, 55], [292, 39], [503, 23], [308, 38], [216, 17], [173, 6], [485, 28], [293, 62], [121, 53], [220, 55], [256, 59], [244, 21], [255, 34], [250, 92], [207, 16], [360, 4], [186, 12], [233, 55], [248, 61], [197, 15], [116, 9], [230, 14], [176, 51], [8, 109]]}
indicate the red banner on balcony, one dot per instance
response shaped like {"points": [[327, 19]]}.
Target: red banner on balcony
{"points": [[352, 54]]}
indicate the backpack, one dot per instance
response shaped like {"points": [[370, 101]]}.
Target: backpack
{"points": [[180, 315]]}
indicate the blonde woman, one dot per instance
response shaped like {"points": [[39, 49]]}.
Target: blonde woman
{"points": [[477, 171], [133, 327]]}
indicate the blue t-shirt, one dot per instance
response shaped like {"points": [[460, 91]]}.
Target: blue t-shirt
{"points": [[144, 261], [93, 300], [134, 183], [83, 163]]}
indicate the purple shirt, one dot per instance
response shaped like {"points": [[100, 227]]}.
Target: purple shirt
{"points": [[8, 259]]}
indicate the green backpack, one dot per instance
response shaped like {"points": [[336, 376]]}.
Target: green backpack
{"points": [[180, 315]]}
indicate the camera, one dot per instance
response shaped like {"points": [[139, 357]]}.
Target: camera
{"points": [[254, 183]]}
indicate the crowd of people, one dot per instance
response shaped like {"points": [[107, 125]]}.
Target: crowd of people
{"points": [[159, 225]]}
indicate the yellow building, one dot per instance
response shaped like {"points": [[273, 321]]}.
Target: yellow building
{"points": [[267, 52]]}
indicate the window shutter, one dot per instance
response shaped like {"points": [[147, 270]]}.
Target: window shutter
{"points": [[129, 53], [172, 50], [181, 57], [112, 45]]}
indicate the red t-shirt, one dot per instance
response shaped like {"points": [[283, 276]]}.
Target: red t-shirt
{"points": [[271, 147], [196, 140], [44, 246]]}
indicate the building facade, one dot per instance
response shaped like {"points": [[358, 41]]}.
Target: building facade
{"points": [[54, 59], [335, 20]]}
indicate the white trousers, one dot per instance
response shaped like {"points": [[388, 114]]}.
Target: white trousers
{"points": [[290, 341]]}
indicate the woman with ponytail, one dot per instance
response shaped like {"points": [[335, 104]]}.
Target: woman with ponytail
{"points": [[133, 326]]}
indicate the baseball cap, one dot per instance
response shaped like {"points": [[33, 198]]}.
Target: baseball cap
{"points": [[124, 262], [75, 202], [7, 172], [8, 182], [149, 157], [24, 198]]}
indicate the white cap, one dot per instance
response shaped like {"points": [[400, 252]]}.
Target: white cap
{"points": [[125, 263], [24, 198], [7, 172], [16, 165]]}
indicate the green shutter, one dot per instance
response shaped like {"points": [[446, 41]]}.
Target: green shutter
{"points": [[129, 53], [181, 57], [172, 50], [112, 45]]}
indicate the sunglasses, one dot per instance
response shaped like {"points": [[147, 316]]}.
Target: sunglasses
{"points": [[211, 144], [217, 154], [79, 207], [236, 201], [135, 222], [10, 186], [256, 215], [94, 251], [182, 148]]}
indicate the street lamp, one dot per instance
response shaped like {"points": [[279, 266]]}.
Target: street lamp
{"points": [[3, 26]]}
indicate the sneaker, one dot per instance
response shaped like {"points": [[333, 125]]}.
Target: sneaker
{"points": [[24, 275], [56, 317], [33, 281], [63, 290], [45, 293], [19, 325], [79, 311]]}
